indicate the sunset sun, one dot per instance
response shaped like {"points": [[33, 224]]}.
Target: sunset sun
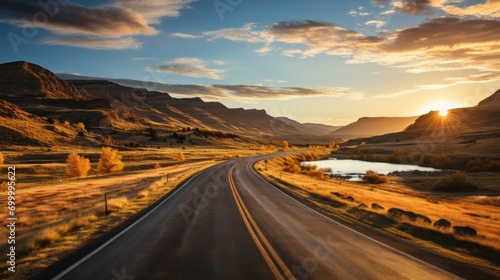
{"points": [[443, 112]]}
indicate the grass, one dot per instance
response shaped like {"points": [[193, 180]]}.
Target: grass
{"points": [[481, 213]]}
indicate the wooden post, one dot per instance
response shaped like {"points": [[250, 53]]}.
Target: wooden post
{"points": [[105, 204]]}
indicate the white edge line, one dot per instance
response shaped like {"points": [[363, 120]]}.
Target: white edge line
{"points": [[359, 233], [119, 234]]}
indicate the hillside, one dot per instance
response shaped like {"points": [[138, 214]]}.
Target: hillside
{"points": [[371, 126], [104, 108]]}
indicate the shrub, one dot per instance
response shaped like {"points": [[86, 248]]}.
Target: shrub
{"points": [[110, 161], [441, 161], [458, 182], [77, 166], [284, 144], [373, 177], [292, 168], [157, 166]]}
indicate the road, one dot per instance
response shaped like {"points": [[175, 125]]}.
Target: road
{"points": [[228, 223]]}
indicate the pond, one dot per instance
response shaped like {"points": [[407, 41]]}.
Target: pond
{"points": [[355, 169]]}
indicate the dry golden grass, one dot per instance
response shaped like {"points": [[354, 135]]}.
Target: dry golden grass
{"points": [[482, 214]]}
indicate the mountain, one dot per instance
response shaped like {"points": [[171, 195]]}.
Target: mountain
{"points": [[23, 79], [492, 100], [309, 128], [371, 126], [55, 108]]}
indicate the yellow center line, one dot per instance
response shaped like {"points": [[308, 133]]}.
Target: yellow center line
{"points": [[251, 225]]}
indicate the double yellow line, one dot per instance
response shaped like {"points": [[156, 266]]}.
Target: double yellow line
{"points": [[270, 256]]}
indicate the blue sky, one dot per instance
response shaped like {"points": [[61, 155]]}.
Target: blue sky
{"points": [[314, 61]]}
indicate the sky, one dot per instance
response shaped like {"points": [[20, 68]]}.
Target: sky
{"points": [[318, 61]]}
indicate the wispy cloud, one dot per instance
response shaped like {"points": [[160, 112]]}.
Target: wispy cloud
{"points": [[191, 67], [69, 23], [229, 92], [185, 36], [376, 23], [93, 42], [246, 33]]}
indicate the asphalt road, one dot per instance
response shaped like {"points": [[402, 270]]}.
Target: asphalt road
{"points": [[228, 223]]}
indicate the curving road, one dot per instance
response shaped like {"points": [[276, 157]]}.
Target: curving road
{"points": [[229, 223]]}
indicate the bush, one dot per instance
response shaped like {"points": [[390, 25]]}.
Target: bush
{"points": [[441, 161], [458, 182], [284, 144], [373, 177]]}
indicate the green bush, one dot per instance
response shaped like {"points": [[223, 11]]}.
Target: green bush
{"points": [[458, 182]]}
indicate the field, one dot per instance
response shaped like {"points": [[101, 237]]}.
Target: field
{"points": [[57, 215], [352, 201]]}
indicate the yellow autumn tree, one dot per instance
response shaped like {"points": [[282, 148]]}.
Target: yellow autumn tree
{"points": [[284, 144], [77, 166], [1, 158], [110, 161]]}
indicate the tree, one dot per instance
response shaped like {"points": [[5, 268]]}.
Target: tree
{"points": [[181, 156], [157, 166], [284, 144], [110, 161], [77, 166], [1, 158]]}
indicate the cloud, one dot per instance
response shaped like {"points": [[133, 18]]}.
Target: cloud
{"points": [[229, 92], [480, 78], [96, 43], [190, 67], [413, 7], [243, 34], [440, 44], [376, 23], [116, 20], [185, 36], [320, 37], [491, 8], [435, 45]]}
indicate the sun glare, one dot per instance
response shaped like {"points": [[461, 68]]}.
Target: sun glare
{"points": [[443, 112]]}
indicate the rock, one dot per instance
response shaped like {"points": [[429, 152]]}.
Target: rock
{"points": [[349, 198], [468, 231], [337, 194], [442, 223], [424, 219], [362, 205], [377, 206]]}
